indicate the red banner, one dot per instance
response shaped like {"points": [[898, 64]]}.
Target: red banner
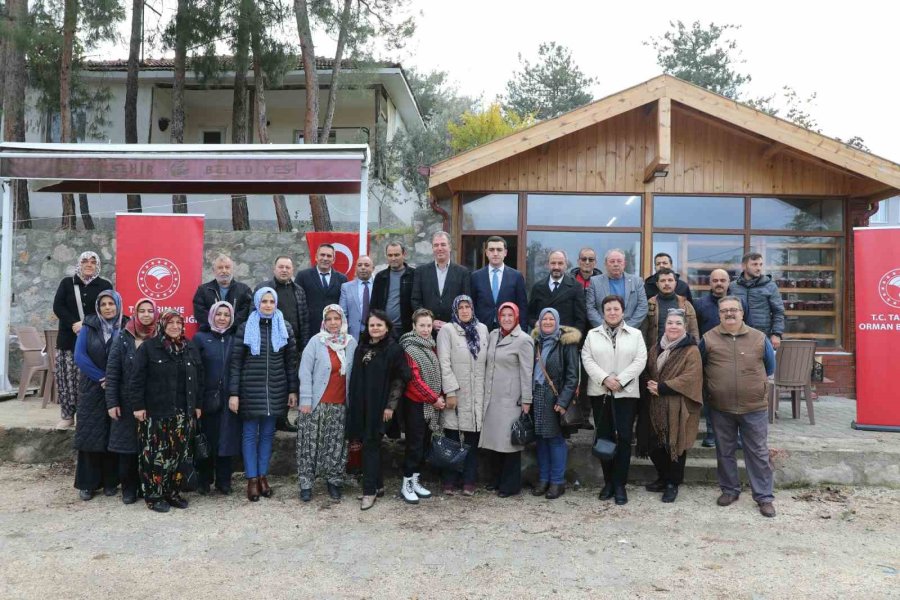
{"points": [[160, 257], [877, 261], [346, 249]]}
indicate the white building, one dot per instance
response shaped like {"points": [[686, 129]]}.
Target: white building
{"points": [[888, 214]]}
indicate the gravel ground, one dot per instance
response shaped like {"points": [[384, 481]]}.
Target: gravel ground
{"points": [[825, 543]]}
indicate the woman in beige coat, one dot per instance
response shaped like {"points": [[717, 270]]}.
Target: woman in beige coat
{"points": [[462, 351], [614, 356], [507, 394]]}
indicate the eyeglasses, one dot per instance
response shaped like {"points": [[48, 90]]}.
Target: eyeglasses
{"points": [[585, 259], [730, 311]]}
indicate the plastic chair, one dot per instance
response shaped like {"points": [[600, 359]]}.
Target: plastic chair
{"points": [[51, 335], [34, 361], [793, 373]]}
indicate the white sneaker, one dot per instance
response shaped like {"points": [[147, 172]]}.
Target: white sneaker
{"points": [[407, 491], [420, 491]]}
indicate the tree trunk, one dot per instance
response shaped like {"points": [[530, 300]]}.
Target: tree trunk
{"points": [[336, 71], [16, 78], [86, 217], [240, 214], [131, 87], [179, 201], [282, 215], [70, 23]]}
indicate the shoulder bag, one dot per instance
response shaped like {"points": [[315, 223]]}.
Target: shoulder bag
{"points": [[449, 454], [603, 448]]}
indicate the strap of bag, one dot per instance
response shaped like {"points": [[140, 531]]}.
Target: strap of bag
{"points": [[612, 410], [78, 301], [544, 371]]}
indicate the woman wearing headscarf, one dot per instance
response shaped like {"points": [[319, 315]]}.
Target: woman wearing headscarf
{"points": [[507, 394], [325, 369], [76, 297], [462, 352], [676, 396], [165, 397], [379, 377], [263, 385], [221, 426], [422, 399], [555, 384], [96, 466], [123, 434]]}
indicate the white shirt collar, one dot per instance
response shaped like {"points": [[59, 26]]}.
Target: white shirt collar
{"points": [[500, 268]]}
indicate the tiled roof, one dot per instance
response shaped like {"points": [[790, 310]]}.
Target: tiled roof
{"points": [[168, 64]]}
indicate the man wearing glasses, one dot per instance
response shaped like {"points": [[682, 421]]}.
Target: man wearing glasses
{"points": [[586, 268]]}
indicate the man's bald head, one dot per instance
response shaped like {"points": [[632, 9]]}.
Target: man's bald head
{"points": [[718, 282]]}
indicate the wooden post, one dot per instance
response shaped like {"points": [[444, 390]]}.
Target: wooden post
{"points": [[663, 139]]}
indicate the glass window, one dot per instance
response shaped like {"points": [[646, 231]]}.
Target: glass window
{"points": [[473, 257], [698, 212], [541, 243], [491, 212], [797, 214], [584, 210], [880, 217], [695, 255]]}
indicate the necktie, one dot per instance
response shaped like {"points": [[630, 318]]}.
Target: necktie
{"points": [[365, 302], [555, 285], [324, 281], [495, 284]]}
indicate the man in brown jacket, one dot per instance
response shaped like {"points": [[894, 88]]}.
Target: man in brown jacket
{"points": [[658, 306], [737, 360]]}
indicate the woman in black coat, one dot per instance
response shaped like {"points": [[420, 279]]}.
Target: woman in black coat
{"points": [[76, 297], [165, 396], [95, 466], [123, 433], [378, 378], [221, 426], [264, 382]]}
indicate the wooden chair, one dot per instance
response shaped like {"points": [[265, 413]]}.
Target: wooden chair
{"points": [[34, 361], [51, 335], [793, 371]]}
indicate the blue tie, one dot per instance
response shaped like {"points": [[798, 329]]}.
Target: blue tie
{"points": [[324, 281], [495, 284]]}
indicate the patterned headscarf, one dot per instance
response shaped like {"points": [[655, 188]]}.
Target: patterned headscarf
{"points": [[173, 345], [546, 341], [336, 341], [96, 274], [138, 329], [470, 328], [109, 326], [515, 309], [212, 316], [251, 330]]}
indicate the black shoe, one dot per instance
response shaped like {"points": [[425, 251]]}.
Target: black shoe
{"points": [[492, 487], [657, 486], [607, 492], [556, 490], [621, 495], [306, 494], [708, 442], [225, 490], [671, 493], [283, 424], [540, 489], [586, 426], [110, 492], [506, 494], [203, 489], [85, 494], [177, 501], [129, 496], [335, 492], [160, 506]]}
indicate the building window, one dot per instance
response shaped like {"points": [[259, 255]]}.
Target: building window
{"points": [[541, 243], [882, 217], [695, 255], [698, 212], [212, 136], [592, 211], [494, 212], [299, 135], [797, 214]]}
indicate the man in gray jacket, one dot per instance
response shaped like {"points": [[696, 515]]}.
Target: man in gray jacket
{"points": [[616, 281], [761, 296]]}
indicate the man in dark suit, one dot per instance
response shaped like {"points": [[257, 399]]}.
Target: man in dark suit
{"points": [[495, 283], [322, 285], [438, 283], [559, 290], [392, 290], [222, 287]]}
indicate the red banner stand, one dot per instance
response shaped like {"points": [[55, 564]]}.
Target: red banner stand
{"points": [[877, 278], [160, 257], [346, 249]]}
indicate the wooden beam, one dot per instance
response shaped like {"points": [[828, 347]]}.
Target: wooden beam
{"points": [[771, 150], [663, 126]]}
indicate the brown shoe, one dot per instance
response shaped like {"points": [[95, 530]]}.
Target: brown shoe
{"points": [[726, 499], [264, 490], [253, 489], [766, 509]]}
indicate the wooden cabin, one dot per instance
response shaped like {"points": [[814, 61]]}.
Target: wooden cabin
{"points": [[667, 166]]}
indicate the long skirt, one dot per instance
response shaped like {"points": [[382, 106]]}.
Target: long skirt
{"points": [[67, 375], [321, 447], [164, 446]]}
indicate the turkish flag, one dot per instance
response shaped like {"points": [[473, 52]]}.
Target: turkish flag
{"points": [[346, 249]]}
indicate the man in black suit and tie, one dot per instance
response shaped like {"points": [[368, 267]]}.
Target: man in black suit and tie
{"points": [[559, 290], [437, 284], [322, 285], [495, 283]]}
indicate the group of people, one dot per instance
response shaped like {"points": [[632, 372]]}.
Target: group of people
{"points": [[437, 350]]}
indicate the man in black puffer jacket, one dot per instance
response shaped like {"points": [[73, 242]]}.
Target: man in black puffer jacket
{"points": [[762, 297]]}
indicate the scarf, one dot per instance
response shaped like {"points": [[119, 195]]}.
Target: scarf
{"points": [[79, 275], [515, 309], [667, 346], [612, 332], [251, 330], [172, 345], [336, 341], [422, 351], [109, 326], [212, 314], [546, 342], [470, 328], [138, 329]]}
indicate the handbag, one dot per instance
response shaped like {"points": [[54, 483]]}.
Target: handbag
{"points": [[522, 432], [449, 454], [572, 417], [603, 448], [186, 479], [201, 446]]}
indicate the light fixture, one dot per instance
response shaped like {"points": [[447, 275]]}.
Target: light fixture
{"points": [[611, 221], [661, 173]]}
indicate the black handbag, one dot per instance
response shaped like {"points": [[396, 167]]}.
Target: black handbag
{"points": [[186, 478], [201, 446], [448, 454], [522, 432], [603, 448]]}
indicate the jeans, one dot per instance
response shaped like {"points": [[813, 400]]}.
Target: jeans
{"points": [[256, 441], [755, 429], [615, 471], [415, 437], [552, 454], [469, 475]]}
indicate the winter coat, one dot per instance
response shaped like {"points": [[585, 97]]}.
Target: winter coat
{"points": [[680, 396], [650, 326], [764, 301], [300, 316], [507, 386], [123, 433], [239, 296], [262, 383], [380, 291], [736, 368], [627, 360], [635, 299], [681, 287], [462, 376], [315, 371], [215, 355], [91, 418], [154, 382], [563, 366], [707, 309], [66, 308], [375, 386]]}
